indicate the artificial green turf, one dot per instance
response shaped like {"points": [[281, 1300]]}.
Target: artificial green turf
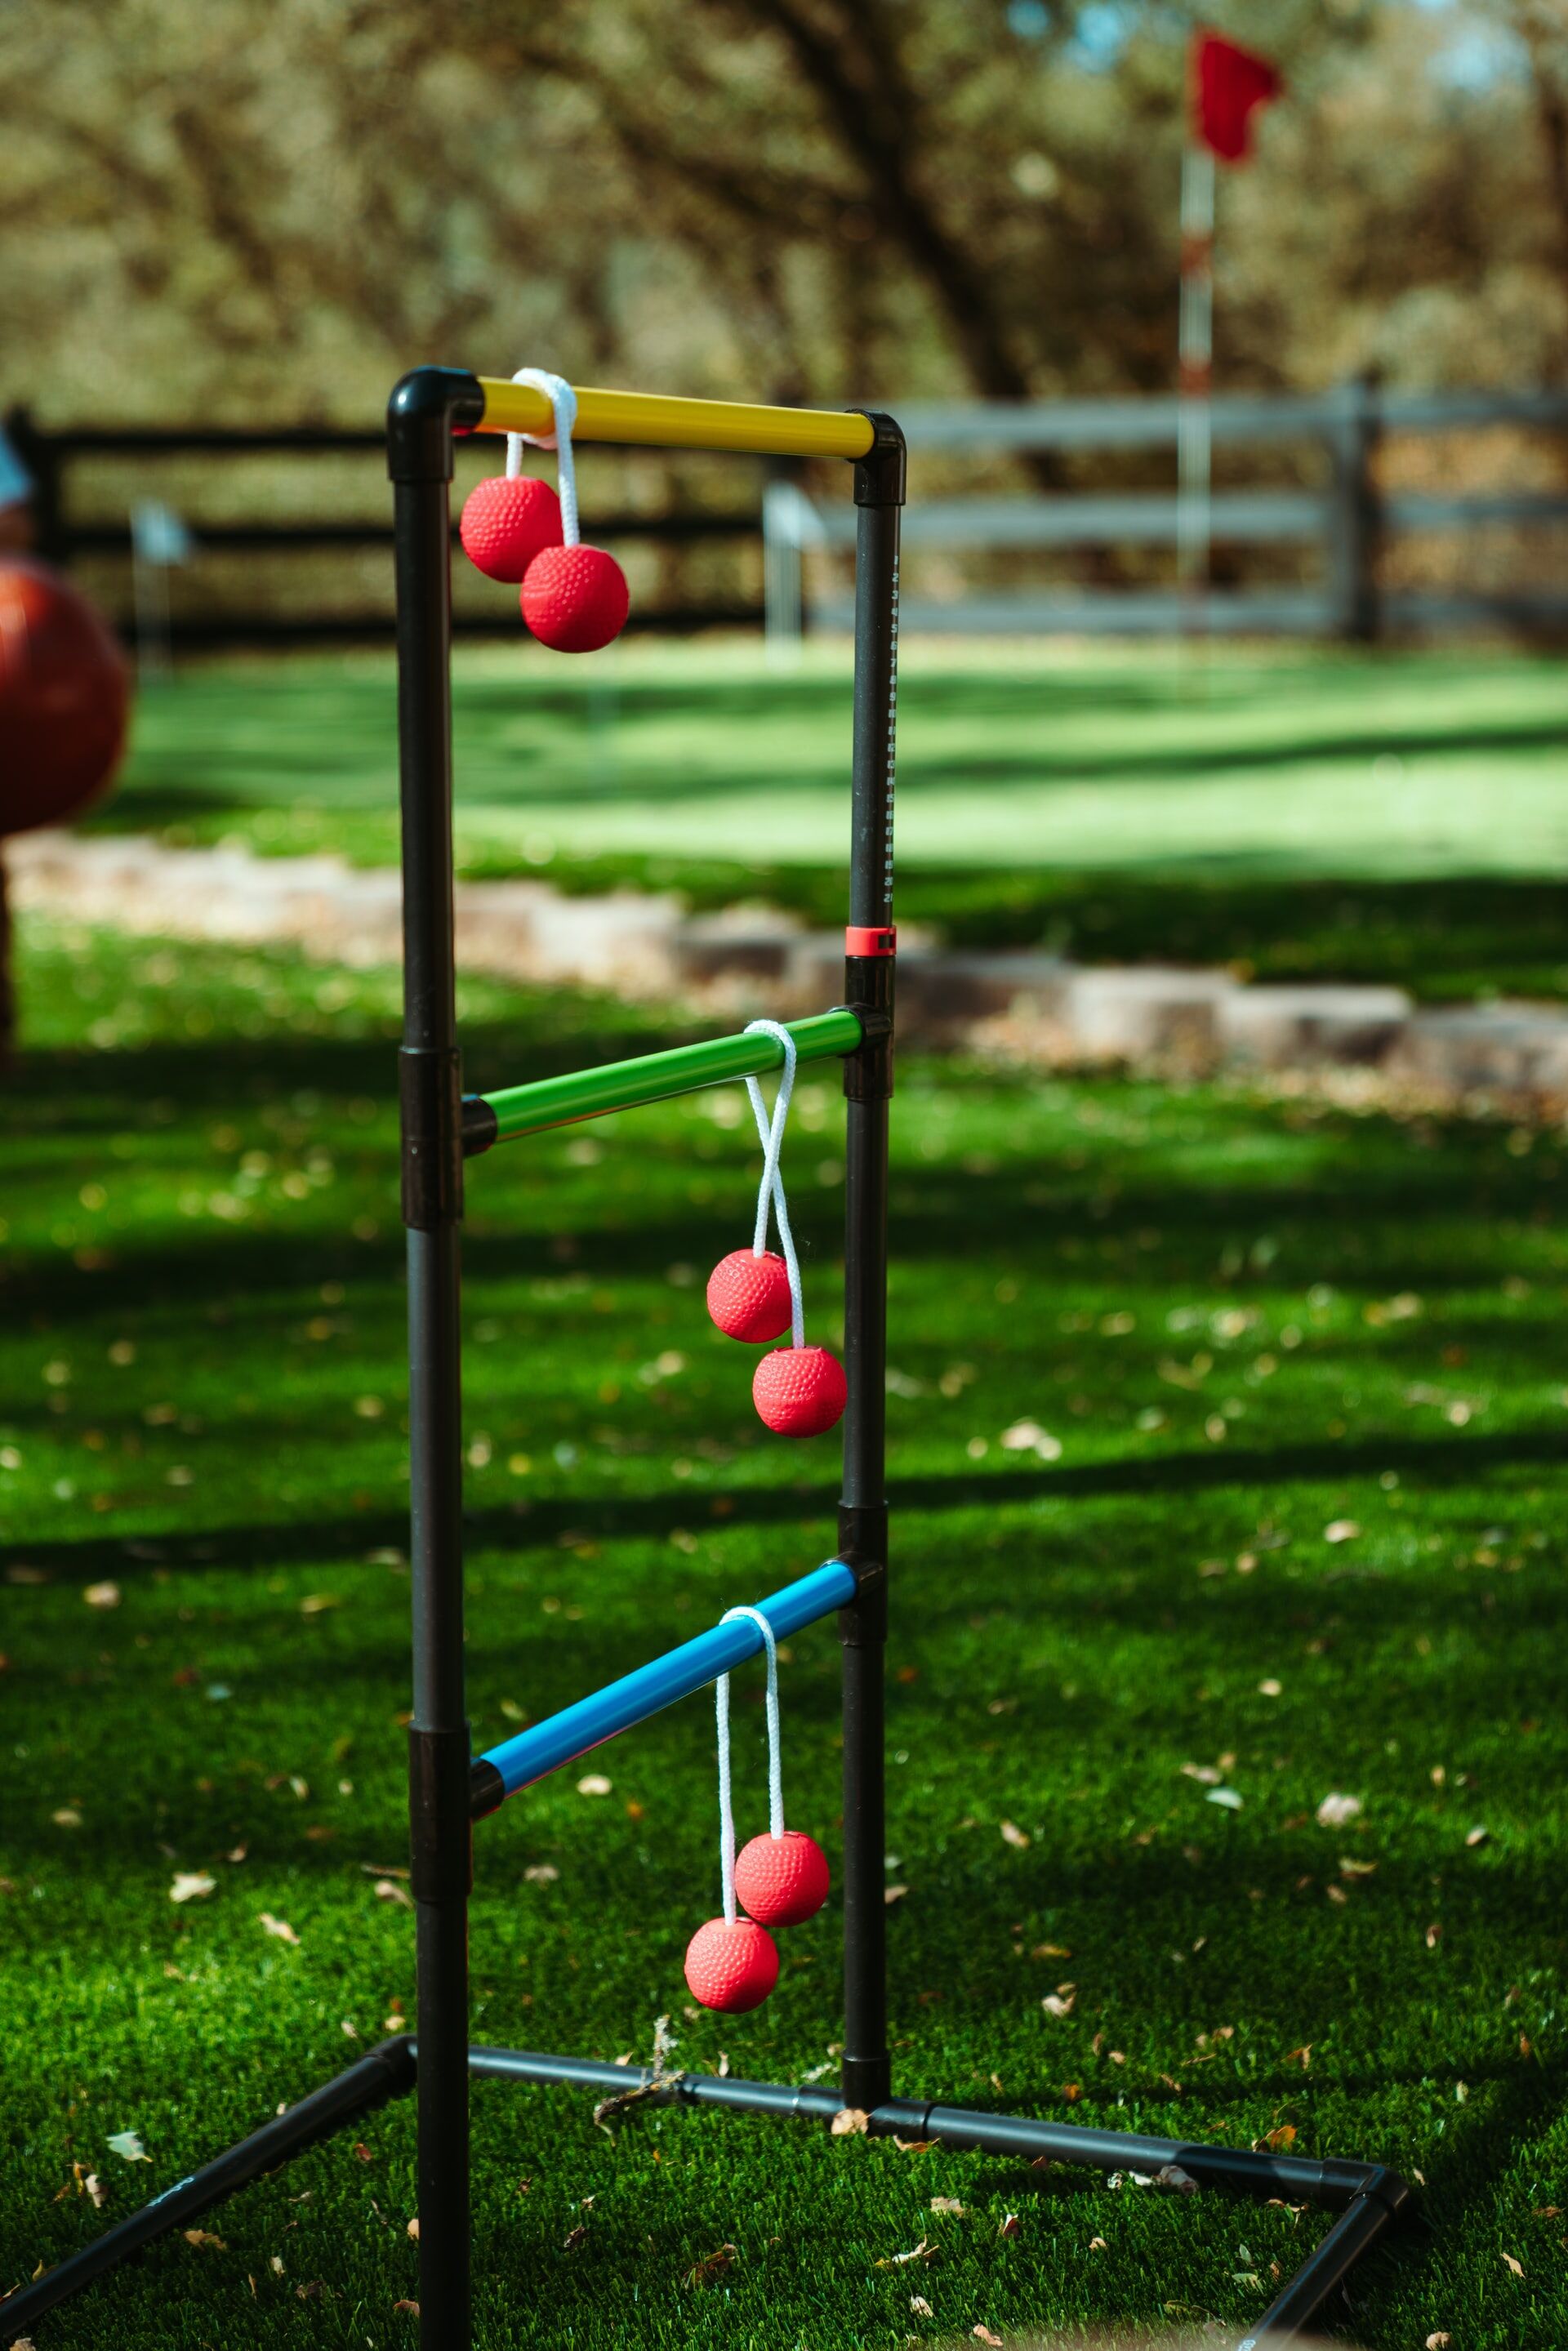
{"points": [[1242, 1320], [1303, 815]]}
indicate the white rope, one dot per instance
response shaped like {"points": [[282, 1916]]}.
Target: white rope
{"points": [[775, 1759], [563, 407], [772, 1135]]}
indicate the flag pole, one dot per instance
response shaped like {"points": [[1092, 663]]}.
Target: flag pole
{"points": [[1195, 439]]}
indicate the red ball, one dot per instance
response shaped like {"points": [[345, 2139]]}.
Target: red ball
{"points": [[782, 1880], [748, 1297], [64, 692], [507, 523], [731, 1968], [799, 1391], [575, 598]]}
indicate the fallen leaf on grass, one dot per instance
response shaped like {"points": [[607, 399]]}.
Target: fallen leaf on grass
{"points": [[1340, 1530], [1438, 2342], [1028, 1437], [712, 2265], [68, 1817], [1015, 1836], [387, 1889], [1337, 1812], [850, 2122], [1008, 2225], [920, 2307], [1472, 1836], [946, 2204], [204, 2239], [574, 2237], [984, 2334], [1517, 2267], [95, 2190], [405, 2309], [102, 1596], [593, 1784], [413, 2227], [1050, 1951], [127, 2146], [316, 1603], [922, 2251], [1230, 1798], [279, 1927], [1177, 2182], [192, 1886], [1060, 2004], [1434, 1936], [1302, 2057], [540, 1872], [891, 1894], [1098, 2245]]}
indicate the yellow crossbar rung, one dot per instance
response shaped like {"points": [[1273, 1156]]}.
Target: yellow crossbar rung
{"points": [[649, 420]]}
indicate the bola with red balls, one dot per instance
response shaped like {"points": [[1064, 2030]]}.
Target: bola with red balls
{"points": [[732, 1964], [748, 1295], [799, 1391], [507, 522], [782, 1880]]}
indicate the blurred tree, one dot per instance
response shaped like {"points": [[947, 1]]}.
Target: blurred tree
{"points": [[242, 208]]}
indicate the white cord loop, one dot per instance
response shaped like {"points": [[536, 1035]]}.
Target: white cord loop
{"points": [[770, 1132], [774, 1757], [563, 407]]}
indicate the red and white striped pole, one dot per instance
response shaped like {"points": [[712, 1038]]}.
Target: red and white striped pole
{"points": [[1195, 439], [1226, 85]]}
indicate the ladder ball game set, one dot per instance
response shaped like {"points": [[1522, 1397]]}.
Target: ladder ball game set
{"points": [[574, 598]]}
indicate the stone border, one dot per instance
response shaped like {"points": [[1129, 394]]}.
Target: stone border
{"points": [[642, 946]]}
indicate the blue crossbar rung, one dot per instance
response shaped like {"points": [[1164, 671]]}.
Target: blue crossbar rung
{"points": [[544, 1747]]}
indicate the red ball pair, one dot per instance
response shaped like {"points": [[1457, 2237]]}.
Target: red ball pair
{"points": [[574, 599], [732, 1965], [797, 1391]]}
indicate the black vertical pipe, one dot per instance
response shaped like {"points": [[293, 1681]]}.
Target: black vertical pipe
{"points": [[419, 432], [868, 1086]]}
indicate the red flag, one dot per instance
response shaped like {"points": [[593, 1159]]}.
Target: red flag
{"points": [[1228, 85]]}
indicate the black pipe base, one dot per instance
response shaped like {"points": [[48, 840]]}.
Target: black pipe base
{"points": [[1368, 2197], [385, 2072]]}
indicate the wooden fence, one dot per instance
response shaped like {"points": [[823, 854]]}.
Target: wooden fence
{"points": [[261, 579], [1345, 520]]}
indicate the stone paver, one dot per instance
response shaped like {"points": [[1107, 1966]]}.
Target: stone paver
{"points": [[757, 959]]}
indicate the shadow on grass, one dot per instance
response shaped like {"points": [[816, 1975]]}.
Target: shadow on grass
{"points": [[1424, 1464]]}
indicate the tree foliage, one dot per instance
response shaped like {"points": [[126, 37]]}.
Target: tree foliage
{"points": [[231, 207]]}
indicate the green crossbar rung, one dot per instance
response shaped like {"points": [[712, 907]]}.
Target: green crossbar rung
{"points": [[516, 1110]]}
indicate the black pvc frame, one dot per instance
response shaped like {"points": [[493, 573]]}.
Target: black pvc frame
{"points": [[427, 408]]}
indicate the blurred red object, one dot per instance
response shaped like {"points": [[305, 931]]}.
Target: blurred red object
{"points": [[1228, 85], [65, 693]]}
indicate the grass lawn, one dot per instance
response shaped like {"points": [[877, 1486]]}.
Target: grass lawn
{"points": [[1300, 814], [1304, 1536]]}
